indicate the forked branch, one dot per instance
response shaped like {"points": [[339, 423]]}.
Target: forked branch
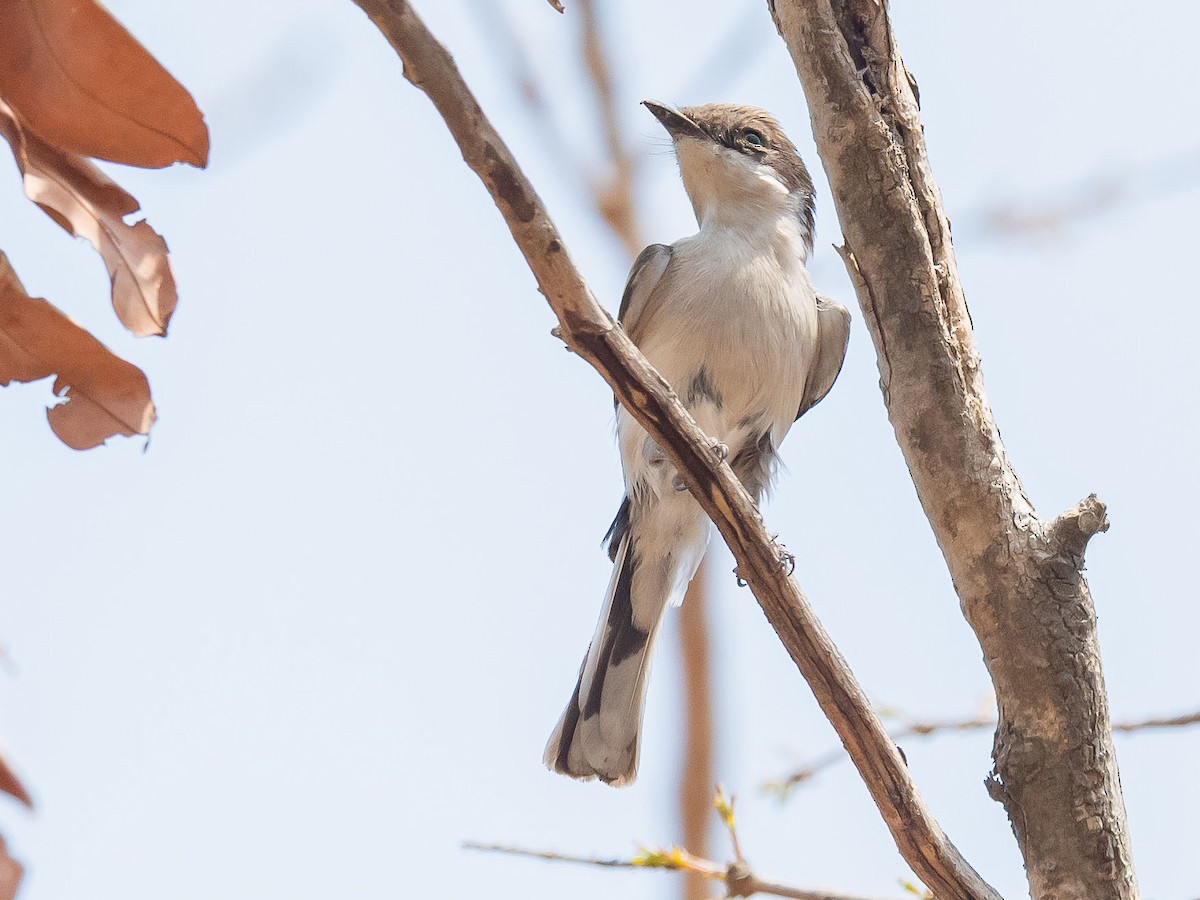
{"points": [[1019, 579]]}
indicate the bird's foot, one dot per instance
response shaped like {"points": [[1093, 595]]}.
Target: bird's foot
{"points": [[741, 582], [678, 484], [787, 560], [721, 450]]}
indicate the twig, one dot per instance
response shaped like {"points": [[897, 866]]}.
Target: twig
{"points": [[724, 807], [591, 333], [552, 856], [739, 879], [1192, 718], [1095, 194], [614, 195], [978, 723]]}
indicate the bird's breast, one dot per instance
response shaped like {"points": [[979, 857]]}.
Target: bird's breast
{"points": [[734, 329]]}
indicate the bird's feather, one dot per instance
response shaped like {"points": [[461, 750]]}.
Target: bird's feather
{"points": [[833, 337]]}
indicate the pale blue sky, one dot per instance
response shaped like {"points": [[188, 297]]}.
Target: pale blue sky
{"points": [[317, 635]]}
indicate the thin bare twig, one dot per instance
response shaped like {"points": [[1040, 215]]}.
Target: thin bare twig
{"points": [[1094, 194], [614, 194], [553, 856], [739, 879], [978, 723], [591, 333], [723, 804]]}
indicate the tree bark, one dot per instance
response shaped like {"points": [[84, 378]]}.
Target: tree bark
{"points": [[1019, 578]]}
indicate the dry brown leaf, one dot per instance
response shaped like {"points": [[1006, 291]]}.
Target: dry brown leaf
{"points": [[86, 202], [105, 395], [11, 785], [10, 873], [84, 84]]}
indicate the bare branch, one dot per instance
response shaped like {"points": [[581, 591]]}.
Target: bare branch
{"points": [[977, 723], [1020, 582], [553, 856], [739, 879], [1192, 718], [1085, 198], [614, 195], [590, 332], [696, 772], [724, 807]]}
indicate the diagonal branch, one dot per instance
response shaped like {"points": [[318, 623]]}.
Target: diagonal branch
{"points": [[1020, 580], [590, 331]]}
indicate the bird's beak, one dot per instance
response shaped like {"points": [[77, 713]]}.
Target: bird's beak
{"points": [[677, 124]]}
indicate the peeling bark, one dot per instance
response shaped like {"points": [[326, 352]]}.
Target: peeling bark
{"points": [[1019, 578]]}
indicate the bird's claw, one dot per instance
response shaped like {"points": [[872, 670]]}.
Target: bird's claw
{"points": [[741, 582], [721, 450], [787, 560]]}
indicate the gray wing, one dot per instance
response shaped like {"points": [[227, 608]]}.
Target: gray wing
{"points": [[647, 271], [833, 335]]}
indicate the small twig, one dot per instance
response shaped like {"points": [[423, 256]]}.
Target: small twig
{"points": [[978, 723], [738, 878], [1097, 193], [1192, 718], [552, 856], [724, 806], [614, 197]]}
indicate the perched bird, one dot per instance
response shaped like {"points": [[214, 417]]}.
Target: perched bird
{"points": [[730, 318]]}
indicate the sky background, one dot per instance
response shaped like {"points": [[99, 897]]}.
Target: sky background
{"points": [[315, 636]]}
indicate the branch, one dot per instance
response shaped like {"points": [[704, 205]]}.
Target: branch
{"points": [[614, 199], [1020, 581], [977, 723], [590, 332], [696, 770], [739, 879]]}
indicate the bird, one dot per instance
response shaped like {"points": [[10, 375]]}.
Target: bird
{"points": [[730, 318]]}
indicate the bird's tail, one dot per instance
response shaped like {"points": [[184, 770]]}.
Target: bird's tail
{"points": [[598, 734]]}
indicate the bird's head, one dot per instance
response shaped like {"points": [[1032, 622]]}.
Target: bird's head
{"points": [[737, 162]]}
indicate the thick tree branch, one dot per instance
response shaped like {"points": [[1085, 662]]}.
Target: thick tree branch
{"points": [[590, 331], [1020, 581]]}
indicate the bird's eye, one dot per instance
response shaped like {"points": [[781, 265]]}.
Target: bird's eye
{"points": [[754, 139]]}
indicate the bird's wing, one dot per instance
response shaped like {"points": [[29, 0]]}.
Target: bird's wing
{"points": [[833, 334], [647, 271]]}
